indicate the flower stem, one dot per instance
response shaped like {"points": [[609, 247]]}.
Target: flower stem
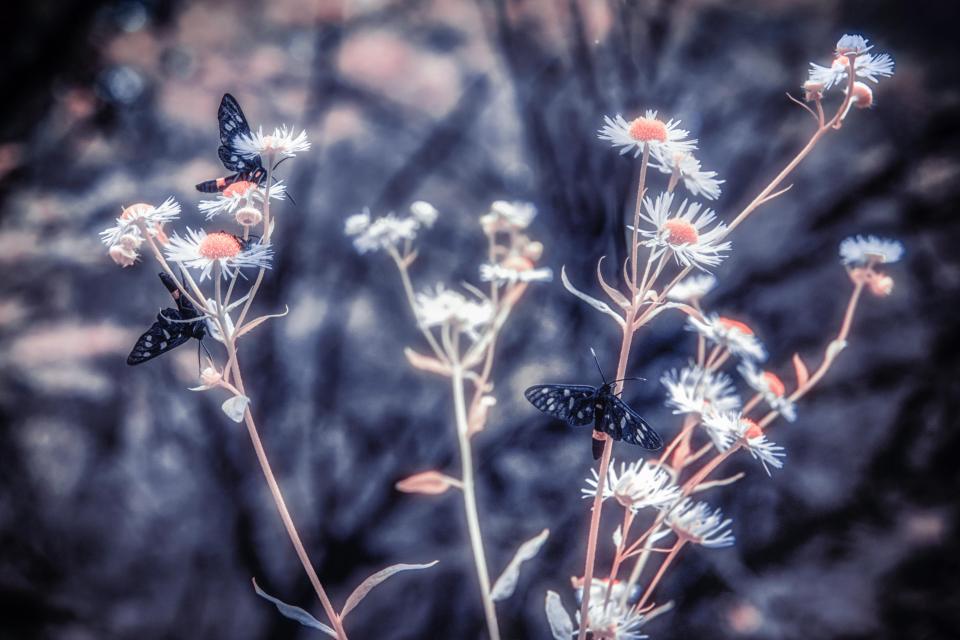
{"points": [[470, 500], [663, 568]]}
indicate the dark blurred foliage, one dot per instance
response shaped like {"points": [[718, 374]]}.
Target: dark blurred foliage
{"points": [[130, 508]]}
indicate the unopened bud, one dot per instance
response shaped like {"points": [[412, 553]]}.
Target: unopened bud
{"points": [[881, 285], [533, 251], [123, 256], [130, 241], [248, 217], [812, 90], [210, 377], [862, 97]]}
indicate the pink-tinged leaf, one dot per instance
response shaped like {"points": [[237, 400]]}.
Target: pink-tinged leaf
{"points": [[801, 369], [367, 585], [294, 613], [615, 295], [425, 363], [429, 482], [477, 419], [234, 407], [560, 624], [506, 584]]}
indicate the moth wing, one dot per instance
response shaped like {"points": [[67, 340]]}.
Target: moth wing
{"points": [[162, 336], [621, 422], [231, 120], [235, 161], [572, 403]]}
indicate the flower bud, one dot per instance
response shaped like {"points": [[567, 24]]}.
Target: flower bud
{"points": [[130, 241], [123, 256], [881, 285], [533, 251], [424, 213], [248, 216], [210, 377], [862, 97]]}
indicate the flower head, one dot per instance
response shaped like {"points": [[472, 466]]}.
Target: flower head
{"points": [[241, 194], [645, 130], [732, 335], [513, 270], [863, 250], [282, 143], [692, 288], [200, 250], [383, 233], [508, 216], [638, 485], [696, 390], [610, 621], [684, 233], [770, 387], [424, 213], [445, 307], [696, 522], [729, 427], [140, 216], [865, 65], [686, 168]]}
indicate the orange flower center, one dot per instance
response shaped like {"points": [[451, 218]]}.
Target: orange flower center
{"points": [[736, 324], [136, 210], [648, 130], [218, 245], [753, 429], [239, 188], [774, 383], [680, 232]]}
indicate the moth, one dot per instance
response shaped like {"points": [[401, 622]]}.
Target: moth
{"points": [[233, 124], [581, 404], [172, 328]]}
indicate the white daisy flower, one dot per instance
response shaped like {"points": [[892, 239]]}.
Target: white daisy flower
{"points": [[647, 129], [638, 485], [610, 621], [424, 213], [200, 250], [282, 143], [687, 168], [862, 250], [770, 387], [382, 233], [865, 65], [504, 216], [695, 390], [731, 427], [141, 213], [445, 307], [502, 274], [692, 288], [696, 522], [732, 335], [684, 233], [242, 193]]}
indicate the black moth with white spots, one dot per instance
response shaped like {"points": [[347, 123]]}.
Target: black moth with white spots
{"points": [[172, 328], [233, 125], [580, 405]]}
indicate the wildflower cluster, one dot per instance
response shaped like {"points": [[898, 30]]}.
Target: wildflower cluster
{"points": [[684, 242], [461, 328]]}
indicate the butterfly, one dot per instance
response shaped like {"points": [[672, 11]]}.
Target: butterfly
{"points": [[233, 125], [581, 404], [172, 328]]}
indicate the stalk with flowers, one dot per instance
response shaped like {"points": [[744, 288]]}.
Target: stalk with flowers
{"points": [[461, 332], [661, 513], [216, 296]]}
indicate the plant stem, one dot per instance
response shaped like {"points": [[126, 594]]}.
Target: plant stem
{"points": [[660, 572], [470, 500]]}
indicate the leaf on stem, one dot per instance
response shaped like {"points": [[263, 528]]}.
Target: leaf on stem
{"points": [[367, 585], [801, 370], [477, 419], [294, 613], [506, 584], [253, 324], [428, 482], [561, 626], [426, 363], [835, 347], [615, 295], [235, 406], [602, 307]]}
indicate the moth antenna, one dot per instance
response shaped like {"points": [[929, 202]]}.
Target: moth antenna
{"points": [[597, 360]]}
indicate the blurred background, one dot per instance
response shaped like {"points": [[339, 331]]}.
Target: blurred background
{"points": [[131, 508]]}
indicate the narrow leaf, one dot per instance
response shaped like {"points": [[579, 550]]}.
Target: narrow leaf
{"points": [[294, 613], [429, 482], [560, 624], [367, 585], [603, 307], [615, 295], [801, 369], [506, 584], [253, 324]]}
